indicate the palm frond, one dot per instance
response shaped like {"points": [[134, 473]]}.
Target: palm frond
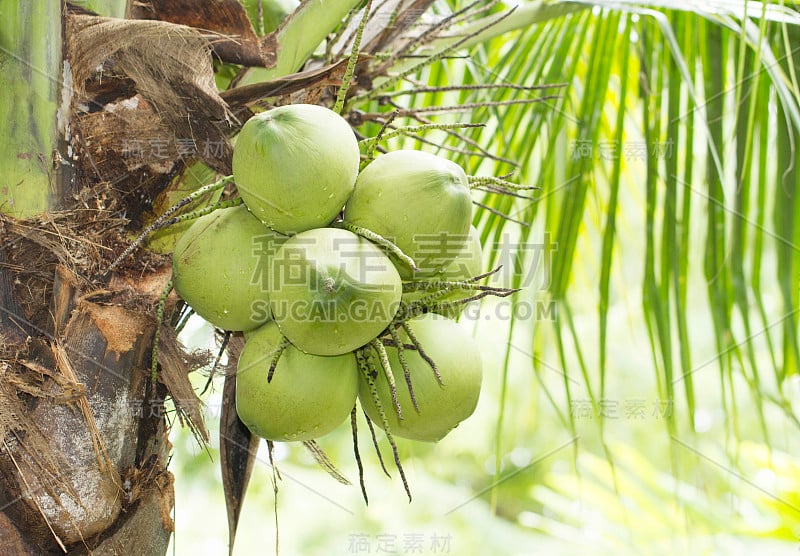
{"points": [[668, 167]]}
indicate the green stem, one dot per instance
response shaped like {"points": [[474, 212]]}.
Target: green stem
{"points": [[478, 181], [31, 61], [351, 62], [409, 130], [378, 346], [278, 351], [401, 355], [371, 146], [435, 57], [164, 220], [366, 365], [357, 454], [414, 340]]}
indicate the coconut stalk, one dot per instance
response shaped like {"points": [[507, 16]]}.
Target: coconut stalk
{"points": [[30, 57]]}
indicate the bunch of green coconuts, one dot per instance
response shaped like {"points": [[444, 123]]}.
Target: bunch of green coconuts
{"points": [[311, 296]]}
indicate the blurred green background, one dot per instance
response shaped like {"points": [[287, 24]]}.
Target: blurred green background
{"points": [[555, 493]]}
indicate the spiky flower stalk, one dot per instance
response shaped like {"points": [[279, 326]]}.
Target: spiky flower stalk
{"points": [[411, 130], [366, 364], [351, 62], [401, 355], [165, 220]]}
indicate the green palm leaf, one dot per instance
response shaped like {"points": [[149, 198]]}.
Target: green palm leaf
{"points": [[668, 167]]}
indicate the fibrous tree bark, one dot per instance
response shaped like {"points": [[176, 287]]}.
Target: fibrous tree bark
{"points": [[83, 427]]}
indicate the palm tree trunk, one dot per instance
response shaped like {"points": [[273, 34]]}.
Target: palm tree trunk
{"points": [[82, 429]]}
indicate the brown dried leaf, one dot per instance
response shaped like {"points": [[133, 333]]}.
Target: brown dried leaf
{"points": [[237, 445], [36, 475], [64, 365], [307, 82], [171, 68], [175, 365], [377, 37], [166, 487], [12, 327], [65, 390], [238, 43]]}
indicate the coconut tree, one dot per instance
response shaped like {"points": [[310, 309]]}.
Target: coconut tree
{"points": [[111, 120]]}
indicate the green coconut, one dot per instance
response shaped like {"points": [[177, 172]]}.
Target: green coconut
{"points": [[417, 200], [332, 291], [467, 264], [441, 408], [308, 395], [295, 166], [220, 266]]}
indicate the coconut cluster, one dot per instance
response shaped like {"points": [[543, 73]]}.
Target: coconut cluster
{"points": [[327, 270]]}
